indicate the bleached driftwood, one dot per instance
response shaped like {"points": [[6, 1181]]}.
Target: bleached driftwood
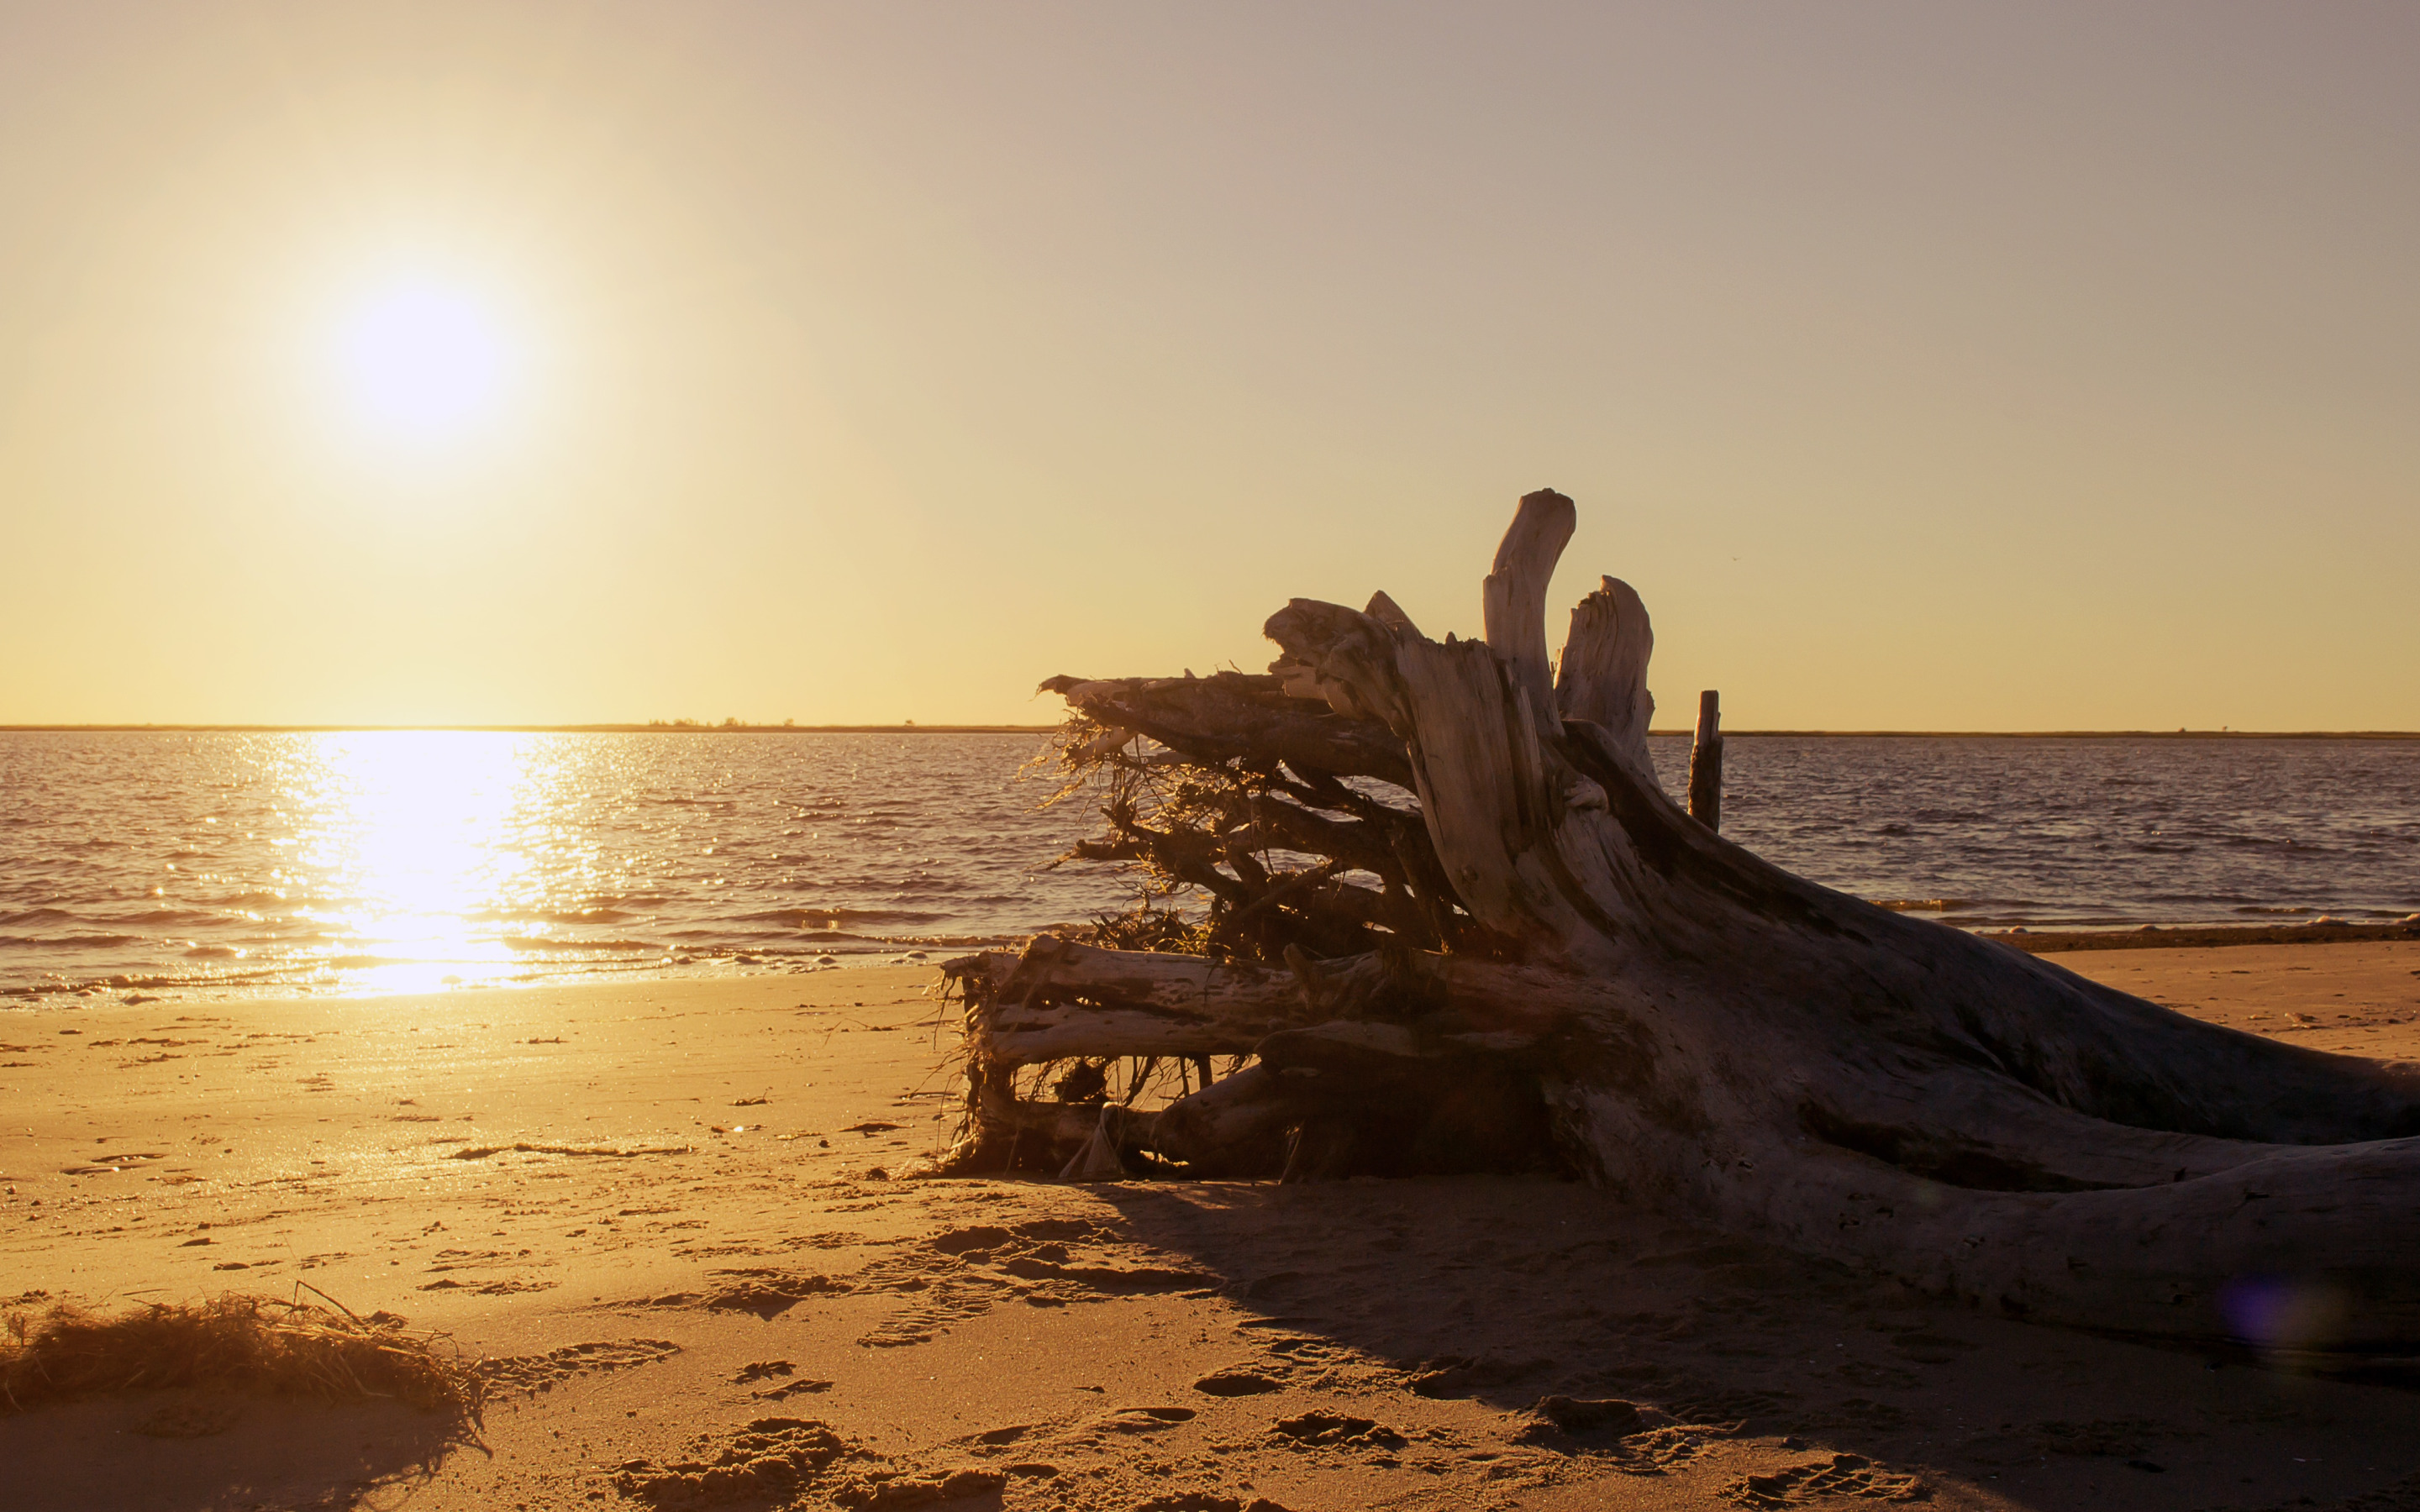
{"points": [[1694, 1028]]}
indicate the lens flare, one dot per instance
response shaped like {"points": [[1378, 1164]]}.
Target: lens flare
{"points": [[2284, 1315]]}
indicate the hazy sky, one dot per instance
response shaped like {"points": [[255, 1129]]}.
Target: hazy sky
{"points": [[1924, 365]]}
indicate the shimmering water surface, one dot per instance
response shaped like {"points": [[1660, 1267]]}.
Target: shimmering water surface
{"points": [[391, 861], [403, 861], [2091, 833]]}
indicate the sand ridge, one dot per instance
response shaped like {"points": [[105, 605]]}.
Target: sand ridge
{"points": [[668, 1215]]}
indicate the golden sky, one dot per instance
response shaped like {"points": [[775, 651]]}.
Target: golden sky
{"points": [[1923, 366]]}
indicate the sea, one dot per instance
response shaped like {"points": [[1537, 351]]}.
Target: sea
{"points": [[223, 864]]}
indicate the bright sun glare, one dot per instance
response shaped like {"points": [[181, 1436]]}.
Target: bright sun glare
{"points": [[423, 362]]}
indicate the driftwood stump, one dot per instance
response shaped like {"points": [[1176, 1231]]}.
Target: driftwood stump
{"points": [[1455, 922]]}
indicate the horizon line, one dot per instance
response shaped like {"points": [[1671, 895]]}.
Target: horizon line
{"points": [[911, 727]]}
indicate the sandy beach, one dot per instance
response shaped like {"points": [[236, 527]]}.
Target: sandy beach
{"points": [[667, 1211], [789, 756]]}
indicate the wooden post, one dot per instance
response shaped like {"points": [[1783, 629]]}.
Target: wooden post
{"points": [[1706, 763]]}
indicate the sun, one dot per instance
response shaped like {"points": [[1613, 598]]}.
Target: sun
{"points": [[423, 362]]}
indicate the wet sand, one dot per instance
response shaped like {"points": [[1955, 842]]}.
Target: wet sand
{"points": [[667, 1211]]}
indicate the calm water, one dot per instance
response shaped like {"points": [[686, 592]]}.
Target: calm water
{"points": [[2099, 833], [231, 863]]}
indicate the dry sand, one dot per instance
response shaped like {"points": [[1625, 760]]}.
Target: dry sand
{"points": [[663, 1211]]}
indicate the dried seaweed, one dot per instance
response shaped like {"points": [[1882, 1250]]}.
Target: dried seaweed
{"points": [[239, 1342]]}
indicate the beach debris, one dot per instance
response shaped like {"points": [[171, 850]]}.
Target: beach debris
{"points": [[1410, 906], [234, 1342]]}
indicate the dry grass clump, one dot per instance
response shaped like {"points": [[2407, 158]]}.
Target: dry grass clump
{"points": [[238, 1342]]}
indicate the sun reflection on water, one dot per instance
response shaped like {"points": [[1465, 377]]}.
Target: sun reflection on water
{"points": [[258, 862], [430, 856]]}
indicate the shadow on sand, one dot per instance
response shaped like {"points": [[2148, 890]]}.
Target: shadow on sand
{"points": [[191, 1451], [1505, 1291]]}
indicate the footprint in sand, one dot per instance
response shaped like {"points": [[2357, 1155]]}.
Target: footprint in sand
{"points": [[507, 1288], [882, 1495], [981, 1237], [1635, 1439], [1606, 1415], [2115, 1438], [1861, 1415], [1321, 1429], [1144, 1419], [1733, 1411], [1932, 1349], [1237, 1383], [1842, 1475], [543, 1372], [772, 1459], [1455, 1375], [769, 1294]]}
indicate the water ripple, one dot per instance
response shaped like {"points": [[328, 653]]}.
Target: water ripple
{"points": [[269, 863]]}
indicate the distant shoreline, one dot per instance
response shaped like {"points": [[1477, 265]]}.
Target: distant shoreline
{"points": [[2196, 936], [1046, 729], [2061, 734], [533, 729]]}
